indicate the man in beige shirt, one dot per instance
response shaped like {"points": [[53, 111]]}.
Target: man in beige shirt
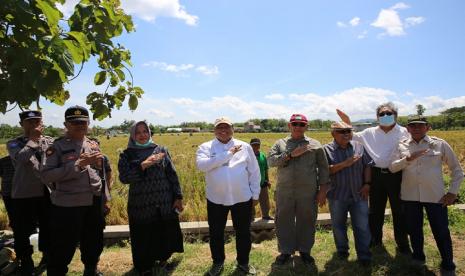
{"points": [[421, 158]]}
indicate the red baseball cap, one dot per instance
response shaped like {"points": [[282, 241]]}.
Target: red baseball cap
{"points": [[298, 118]]}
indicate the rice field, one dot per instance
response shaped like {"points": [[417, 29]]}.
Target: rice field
{"points": [[182, 148]]}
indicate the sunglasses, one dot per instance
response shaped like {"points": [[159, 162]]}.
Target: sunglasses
{"points": [[298, 124], [344, 131], [381, 114]]}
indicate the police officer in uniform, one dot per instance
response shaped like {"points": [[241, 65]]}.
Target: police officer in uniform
{"points": [[30, 197], [72, 167]]}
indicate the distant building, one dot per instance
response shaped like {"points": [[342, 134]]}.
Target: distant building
{"points": [[251, 127], [174, 129], [361, 126], [191, 129]]}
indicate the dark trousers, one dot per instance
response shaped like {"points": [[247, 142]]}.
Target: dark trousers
{"points": [[72, 226], [217, 217], [27, 215], [7, 201], [386, 185], [439, 223]]}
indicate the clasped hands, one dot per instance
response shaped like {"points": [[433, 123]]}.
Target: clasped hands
{"points": [[152, 160], [90, 158]]}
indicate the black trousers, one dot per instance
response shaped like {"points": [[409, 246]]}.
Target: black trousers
{"points": [[27, 214], [217, 217], [154, 241], [387, 185], [71, 226]]}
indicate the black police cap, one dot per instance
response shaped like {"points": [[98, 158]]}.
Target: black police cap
{"points": [[76, 113], [30, 114], [255, 141], [417, 119]]}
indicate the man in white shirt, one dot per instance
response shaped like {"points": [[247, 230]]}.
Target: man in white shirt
{"points": [[233, 184], [379, 142], [421, 158]]}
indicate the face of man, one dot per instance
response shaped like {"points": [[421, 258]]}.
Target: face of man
{"points": [[342, 136], [77, 129], [297, 129], [417, 130], [386, 117], [224, 132], [31, 124], [256, 148]]}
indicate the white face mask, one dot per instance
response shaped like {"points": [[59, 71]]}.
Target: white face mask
{"points": [[387, 120]]}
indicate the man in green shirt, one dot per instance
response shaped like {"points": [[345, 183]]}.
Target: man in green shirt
{"points": [[264, 181]]}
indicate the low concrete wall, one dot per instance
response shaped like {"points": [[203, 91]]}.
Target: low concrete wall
{"points": [[200, 228]]}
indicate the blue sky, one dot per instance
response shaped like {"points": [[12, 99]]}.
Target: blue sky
{"points": [[199, 60]]}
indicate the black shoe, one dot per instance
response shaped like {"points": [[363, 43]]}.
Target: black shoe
{"points": [[343, 255], [282, 259], [92, 271], [306, 258], [364, 263], [216, 269], [247, 269], [26, 266], [267, 218], [146, 273], [42, 266]]}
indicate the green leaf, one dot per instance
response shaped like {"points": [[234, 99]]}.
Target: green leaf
{"points": [[138, 91], [84, 44], [100, 77], [74, 50], [52, 14], [133, 102], [120, 74]]}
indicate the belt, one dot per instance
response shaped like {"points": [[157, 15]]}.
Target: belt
{"points": [[383, 170]]}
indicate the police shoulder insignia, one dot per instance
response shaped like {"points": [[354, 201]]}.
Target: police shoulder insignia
{"points": [[50, 151]]}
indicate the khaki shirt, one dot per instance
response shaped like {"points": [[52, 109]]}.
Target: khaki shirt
{"points": [[422, 178], [26, 156], [299, 176], [70, 186]]}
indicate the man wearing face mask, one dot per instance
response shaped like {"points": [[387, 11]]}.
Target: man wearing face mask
{"points": [[379, 142]]}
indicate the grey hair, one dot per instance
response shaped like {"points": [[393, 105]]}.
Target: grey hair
{"points": [[389, 105]]}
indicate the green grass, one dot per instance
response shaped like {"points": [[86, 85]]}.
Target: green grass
{"points": [[116, 260]]}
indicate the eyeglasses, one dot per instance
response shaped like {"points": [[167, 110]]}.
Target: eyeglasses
{"points": [[381, 114], [298, 124], [344, 131]]}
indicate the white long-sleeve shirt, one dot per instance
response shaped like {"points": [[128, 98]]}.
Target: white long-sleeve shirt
{"points": [[422, 178], [380, 144], [231, 178]]}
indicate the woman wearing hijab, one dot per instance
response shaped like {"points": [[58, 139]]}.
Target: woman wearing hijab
{"points": [[154, 201]]}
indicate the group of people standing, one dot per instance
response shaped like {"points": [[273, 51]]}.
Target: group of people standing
{"points": [[61, 186]]}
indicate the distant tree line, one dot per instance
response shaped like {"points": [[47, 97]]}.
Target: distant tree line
{"points": [[449, 119]]}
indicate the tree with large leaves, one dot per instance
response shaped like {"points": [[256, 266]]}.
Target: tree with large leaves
{"points": [[40, 50]]}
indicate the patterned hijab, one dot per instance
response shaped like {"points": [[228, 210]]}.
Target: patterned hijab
{"points": [[132, 144]]}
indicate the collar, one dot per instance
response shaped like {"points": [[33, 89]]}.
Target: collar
{"points": [[425, 139], [337, 146], [396, 128], [218, 142]]}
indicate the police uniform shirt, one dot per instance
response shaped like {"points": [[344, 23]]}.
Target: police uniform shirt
{"points": [[422, 178], [71, 186], [26, 156]]}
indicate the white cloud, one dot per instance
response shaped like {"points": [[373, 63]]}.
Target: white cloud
{"points": [[400, 6], [183, 101], [161, 113], [390, 21], [341, 24], [410, 94], [412, 21], [275, 96], [208, 70], [148, 10], [354, 21], [362, 35]]}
